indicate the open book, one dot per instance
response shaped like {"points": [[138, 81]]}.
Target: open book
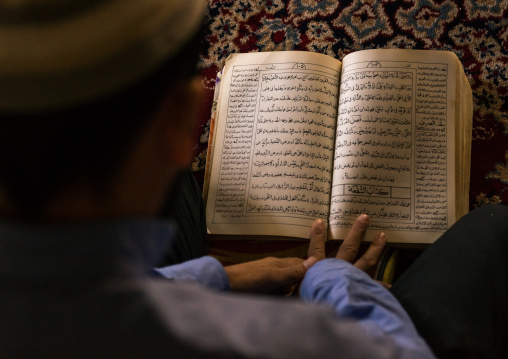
{"points": [[299, 136]]}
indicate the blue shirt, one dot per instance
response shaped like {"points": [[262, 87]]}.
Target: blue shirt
{"points": [[336, 283], [83, 291]]}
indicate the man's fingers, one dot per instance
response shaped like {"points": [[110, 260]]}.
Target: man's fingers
{"points": [[317, 240], [309, 262], [291, 274], [349, 248], [284, 262], [370, 258]]}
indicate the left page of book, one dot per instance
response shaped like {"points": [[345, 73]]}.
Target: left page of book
{"points": [[273, 144]]}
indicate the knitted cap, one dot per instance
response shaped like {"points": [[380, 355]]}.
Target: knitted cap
{"points": [[59, 53]]}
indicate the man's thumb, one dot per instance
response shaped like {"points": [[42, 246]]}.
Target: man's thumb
{"points": [[309, 262]]}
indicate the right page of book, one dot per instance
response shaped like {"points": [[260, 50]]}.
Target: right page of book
{"points": [[395, 144]]}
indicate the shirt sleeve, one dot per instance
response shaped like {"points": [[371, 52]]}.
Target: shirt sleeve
{"points": [[206, 271], [353, 294]]}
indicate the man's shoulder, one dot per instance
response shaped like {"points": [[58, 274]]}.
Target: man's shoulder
{"points": [[255, 326]]}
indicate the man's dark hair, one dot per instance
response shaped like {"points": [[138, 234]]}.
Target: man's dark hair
{"points": [[42, 153]]}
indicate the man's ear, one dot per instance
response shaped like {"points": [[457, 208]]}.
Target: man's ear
{"points": [[178, 119]]}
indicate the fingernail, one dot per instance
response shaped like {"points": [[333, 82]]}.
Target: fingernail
{"points": [[363, 218], [319, 222], [382, 237], [309, 262]]}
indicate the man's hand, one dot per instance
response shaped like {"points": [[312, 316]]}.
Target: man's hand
{"points": [[348, 250], [282, 275], [268, 275]]}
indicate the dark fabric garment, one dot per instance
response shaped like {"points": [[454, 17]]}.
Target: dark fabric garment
{"points": [[456, 292], [185, 208], [81, 291]]}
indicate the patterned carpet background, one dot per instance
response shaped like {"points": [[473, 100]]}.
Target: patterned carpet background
{"points": [[476, 31]]}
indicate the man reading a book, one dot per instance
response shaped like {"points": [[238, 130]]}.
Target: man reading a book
{"points": [[97, 116]]}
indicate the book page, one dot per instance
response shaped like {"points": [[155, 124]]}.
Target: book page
{"points": [[395, 145], [274, 142]]}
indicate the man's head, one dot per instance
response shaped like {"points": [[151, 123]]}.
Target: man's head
{"points": [[80, 82]]}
